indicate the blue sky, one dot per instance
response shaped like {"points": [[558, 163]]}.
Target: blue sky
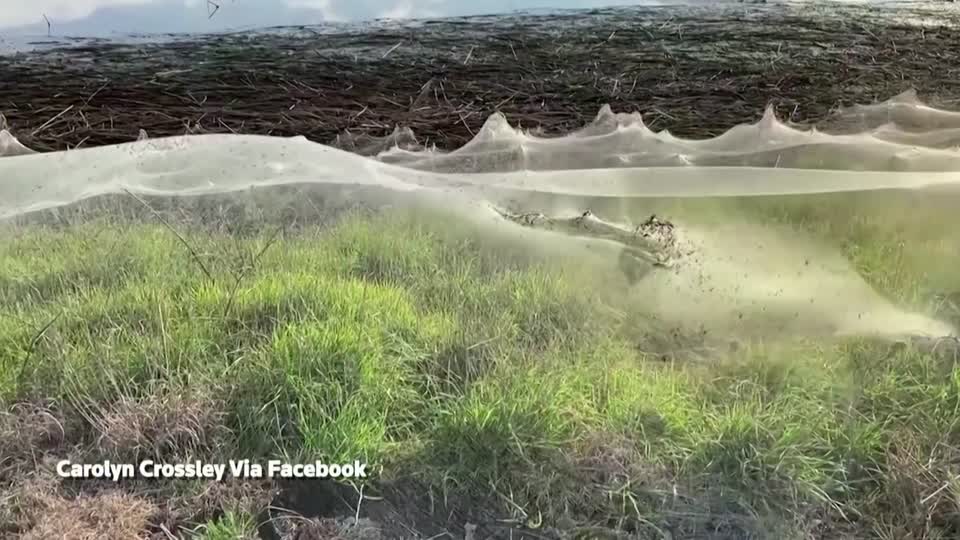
{"points": [[103, 17]]}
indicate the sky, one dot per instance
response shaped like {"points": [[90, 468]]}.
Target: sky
{"points": [[106, 17]]}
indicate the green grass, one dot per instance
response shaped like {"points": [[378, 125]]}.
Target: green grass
{"points": [[432, 358], [231, 526]]}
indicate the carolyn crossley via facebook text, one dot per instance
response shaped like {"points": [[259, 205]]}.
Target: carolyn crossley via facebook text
{"points": [[242, 468]]}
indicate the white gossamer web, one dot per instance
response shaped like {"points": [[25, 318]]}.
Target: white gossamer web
{"points": [[900, 144], [615, 156]]}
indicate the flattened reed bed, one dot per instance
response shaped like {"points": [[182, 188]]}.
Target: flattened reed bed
{"points": [[694, 70]]}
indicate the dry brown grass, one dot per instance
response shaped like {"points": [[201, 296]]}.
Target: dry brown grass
{"points": [[170, 426], [27, 433], [35, 509], [103, 516], [922, 489], [27, 428], [292, 527], [167, 425], [243, 496]]}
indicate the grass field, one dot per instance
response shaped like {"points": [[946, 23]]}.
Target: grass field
{"points": [[481, 383]]}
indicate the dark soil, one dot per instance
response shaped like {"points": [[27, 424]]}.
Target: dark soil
{"points": [[694, 70]]}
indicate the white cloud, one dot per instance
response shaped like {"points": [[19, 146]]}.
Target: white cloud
{"points": [[401, 10], [21, 12], [405, 9], [325, 7]]}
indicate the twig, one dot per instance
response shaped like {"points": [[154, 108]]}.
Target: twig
{"points": [[464, 121], [391, 49], [97, 91], [49, 122]]}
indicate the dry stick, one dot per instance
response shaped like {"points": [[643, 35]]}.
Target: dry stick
{"points": [[464, 121], [183, 241], [102, 86], [391, 49], [224, 125], [507, 100], [50, 121], [167, 532], [359, 114]]}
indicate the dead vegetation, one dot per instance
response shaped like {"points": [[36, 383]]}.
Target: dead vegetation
{"points": [[29, 428], [36, 504], [28, 433], [113, 515], [696, 70], [37, 510], [168, 426]]}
